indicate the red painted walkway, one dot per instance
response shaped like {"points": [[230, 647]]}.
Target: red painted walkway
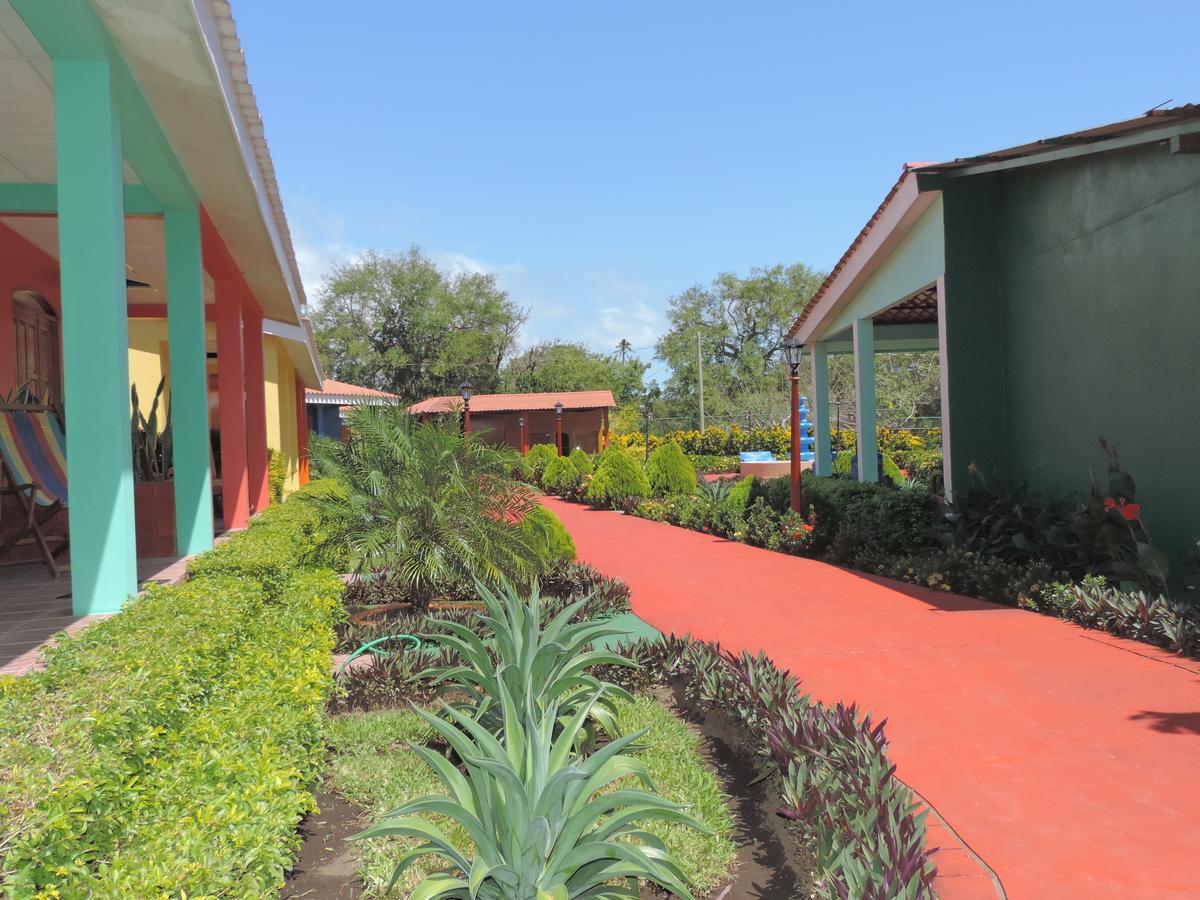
{"points": [[1067, 759]]}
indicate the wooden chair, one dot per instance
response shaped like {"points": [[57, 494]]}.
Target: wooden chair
{"points": [[33, 468]]}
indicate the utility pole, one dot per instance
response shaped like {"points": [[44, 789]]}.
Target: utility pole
{"points": [[700, 376]]}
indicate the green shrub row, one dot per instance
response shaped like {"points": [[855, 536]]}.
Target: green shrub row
{"points": [[168, 750]]}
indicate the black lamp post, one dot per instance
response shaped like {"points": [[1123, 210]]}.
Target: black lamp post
{"points": [[791, 355], [465, 387], [558, 408], [521, 426]]}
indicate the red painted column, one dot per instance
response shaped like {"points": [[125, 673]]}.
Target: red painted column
{"points": [[256, 408], [796, 503], [231, 400], [301, 432]]}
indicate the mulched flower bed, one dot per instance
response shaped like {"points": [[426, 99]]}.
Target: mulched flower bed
{"points": [[773, 862]]}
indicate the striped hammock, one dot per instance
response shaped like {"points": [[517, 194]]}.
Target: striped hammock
{"points": [[34, 451]]}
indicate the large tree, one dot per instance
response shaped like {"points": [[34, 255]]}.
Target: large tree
{"points": [[737, 326], [397, 322], [560, 366]]}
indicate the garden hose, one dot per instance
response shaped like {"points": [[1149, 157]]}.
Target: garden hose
{"points": [[370, 645]]}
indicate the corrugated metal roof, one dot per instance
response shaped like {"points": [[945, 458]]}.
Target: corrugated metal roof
{"points": [[1154, 119], [484, 403], [341, 394], [1147, 122]]}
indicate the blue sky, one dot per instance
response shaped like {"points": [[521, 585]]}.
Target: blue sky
{"points": [[601, 157]]}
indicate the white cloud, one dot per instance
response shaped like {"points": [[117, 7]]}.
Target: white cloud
{"points": [[317, 260]]}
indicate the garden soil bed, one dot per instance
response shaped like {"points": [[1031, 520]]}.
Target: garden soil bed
{"points": [[326, 868], [773, 862]]}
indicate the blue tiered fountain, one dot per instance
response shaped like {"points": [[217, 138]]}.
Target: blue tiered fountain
{"points": [[807, 440]]}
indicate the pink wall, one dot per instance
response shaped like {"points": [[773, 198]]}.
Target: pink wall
{"points": [[23, 266]]}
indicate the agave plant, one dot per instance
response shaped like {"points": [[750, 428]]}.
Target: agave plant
{"points": [[547, 663], [152, 446], [541, 824], [714, 492]]}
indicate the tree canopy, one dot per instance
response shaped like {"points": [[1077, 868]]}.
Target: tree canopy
{"points": [[741, 323], [559, 366], [397, 322]]}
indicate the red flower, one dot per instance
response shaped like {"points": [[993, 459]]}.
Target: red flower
{"points": [[807, 527], [1131, 511]]}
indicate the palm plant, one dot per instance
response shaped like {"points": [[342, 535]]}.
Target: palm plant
{"points": [[424, 505], [541, 824], [546, 664]]}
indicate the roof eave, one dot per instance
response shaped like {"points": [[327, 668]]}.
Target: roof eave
{"points": [[214, 19], [902, 208]]}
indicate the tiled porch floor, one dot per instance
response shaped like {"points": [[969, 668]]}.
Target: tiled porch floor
{"points": [[34, 607]]}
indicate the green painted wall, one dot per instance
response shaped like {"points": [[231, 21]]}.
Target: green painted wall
{"points": [[1095, 317], [974, 370]]}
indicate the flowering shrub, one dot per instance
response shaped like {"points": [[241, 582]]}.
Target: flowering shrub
{"points": [[967, 572], [796, 531]]}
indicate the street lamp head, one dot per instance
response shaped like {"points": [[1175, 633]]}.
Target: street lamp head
{"points": [[558, 408], [465, 387], [791, 352]]}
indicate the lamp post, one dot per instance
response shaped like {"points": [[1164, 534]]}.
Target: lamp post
{"points": [[465, 387], [558, 408], [521, 426], [791, 355]]}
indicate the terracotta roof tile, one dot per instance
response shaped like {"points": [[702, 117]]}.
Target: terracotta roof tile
{"points": [[342, 389], [484, 403]]}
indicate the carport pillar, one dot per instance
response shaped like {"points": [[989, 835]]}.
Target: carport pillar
{"points": [[191, 446], [822, 438], [864, 399], [256, 408], [95, 337], [231, 387]]}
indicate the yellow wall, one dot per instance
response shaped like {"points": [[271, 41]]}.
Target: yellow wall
{"points": [[148, 363], [280, 377]]}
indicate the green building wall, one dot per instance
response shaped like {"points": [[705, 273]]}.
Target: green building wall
{"points": [[1074, 302]]}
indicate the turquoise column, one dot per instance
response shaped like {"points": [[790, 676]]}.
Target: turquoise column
{"points": [[864, 399], [822, 443], [189, 381], [95, 336]]}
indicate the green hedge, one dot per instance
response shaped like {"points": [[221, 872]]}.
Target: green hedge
{"points": [[853, 516], [670, 472], [560, 476], [168, 750], [560, 547], [619, 480]]}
